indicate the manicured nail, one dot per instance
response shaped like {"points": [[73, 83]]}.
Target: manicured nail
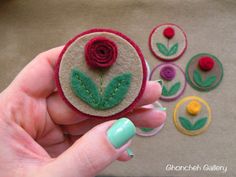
{"points": [[160, 82], [130, 152], [121, 132], [162, 108]]}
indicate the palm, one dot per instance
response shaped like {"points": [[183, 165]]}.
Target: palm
{"points": [[34, 118]]}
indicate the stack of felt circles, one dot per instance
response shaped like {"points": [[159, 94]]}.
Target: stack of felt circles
{"points": [[192, 115], [204, 72], [174, 82], [101, 73], [167, 42]]}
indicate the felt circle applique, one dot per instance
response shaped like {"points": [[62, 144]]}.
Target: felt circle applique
{"points": [[174, 82], [167, 42], [192, 115], [204, 72], [101, 73]]}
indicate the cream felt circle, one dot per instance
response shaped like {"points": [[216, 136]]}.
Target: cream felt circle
{"points": [[173, 77], [167, 42], [192, 115], [101, 88]]}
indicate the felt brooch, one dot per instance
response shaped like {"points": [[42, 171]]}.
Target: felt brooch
{"points": [[192, 115], [174, 82], [204, 72], [167, 42], [101, 73]]}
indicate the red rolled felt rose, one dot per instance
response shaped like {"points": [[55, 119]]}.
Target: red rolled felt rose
{"points": [[206, 63], [169, 32], [100, 52]]}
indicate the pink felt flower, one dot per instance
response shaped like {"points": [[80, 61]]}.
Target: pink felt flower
{"points": [[167, 73], [169, 32]]}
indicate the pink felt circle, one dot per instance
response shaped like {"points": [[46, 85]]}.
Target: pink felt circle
{"points": [[144, 72], [100, 52], [161, 58]]}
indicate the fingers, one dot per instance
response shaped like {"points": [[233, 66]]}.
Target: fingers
{"points": [[95, 150], [142, 117], [62, 114], [151, 94], [41, 71]]}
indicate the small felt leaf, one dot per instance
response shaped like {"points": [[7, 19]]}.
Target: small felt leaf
{"points": [[174, 89], [173, 49], [209, 81], [84, 88], [199, 123], [164, 91], [162, 48], [186, 123], [116, 91], [197, 78]]}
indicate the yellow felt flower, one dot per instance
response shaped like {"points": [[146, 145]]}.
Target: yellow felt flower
{"points": [[194, 107]]}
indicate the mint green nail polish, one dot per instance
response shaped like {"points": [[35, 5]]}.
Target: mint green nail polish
{"points": [[130, 152], [163, 108], [121, 132]]}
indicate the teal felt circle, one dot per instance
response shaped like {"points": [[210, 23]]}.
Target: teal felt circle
{"points": [[193, 84]]}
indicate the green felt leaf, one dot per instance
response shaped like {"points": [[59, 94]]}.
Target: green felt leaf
{"points": [[162, 48], [164, 91], [116, 91], [84, 87], [199, 123], [174, 89], [198, 79], [186, 123], [173, 49], [209, 81]]}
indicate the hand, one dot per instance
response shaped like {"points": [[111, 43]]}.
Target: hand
{"points": [[34, 119]]}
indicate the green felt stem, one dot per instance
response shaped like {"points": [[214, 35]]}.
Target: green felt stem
{"points": [[85, 88]]}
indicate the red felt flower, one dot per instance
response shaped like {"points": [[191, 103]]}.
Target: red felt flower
{"points": [[169, 32], [100, 52], [206, 63]]}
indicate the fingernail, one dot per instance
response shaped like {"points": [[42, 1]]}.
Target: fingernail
{"points": [[162, 108], [160, 82], [130, 152], [121, 132]]}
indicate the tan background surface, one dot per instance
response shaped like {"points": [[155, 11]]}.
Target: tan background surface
{"points": [[29, 27]]}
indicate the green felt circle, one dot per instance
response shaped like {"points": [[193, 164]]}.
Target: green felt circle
{"points": [[193, 85]]}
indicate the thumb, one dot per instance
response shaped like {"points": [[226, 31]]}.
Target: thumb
{"points": [[95, 150]]}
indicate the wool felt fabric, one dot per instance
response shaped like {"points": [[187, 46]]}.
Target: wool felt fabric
{"points": [[31, 27], [174, 82], [209, 77], [167, 42], [192, 124], [129, 59]]}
